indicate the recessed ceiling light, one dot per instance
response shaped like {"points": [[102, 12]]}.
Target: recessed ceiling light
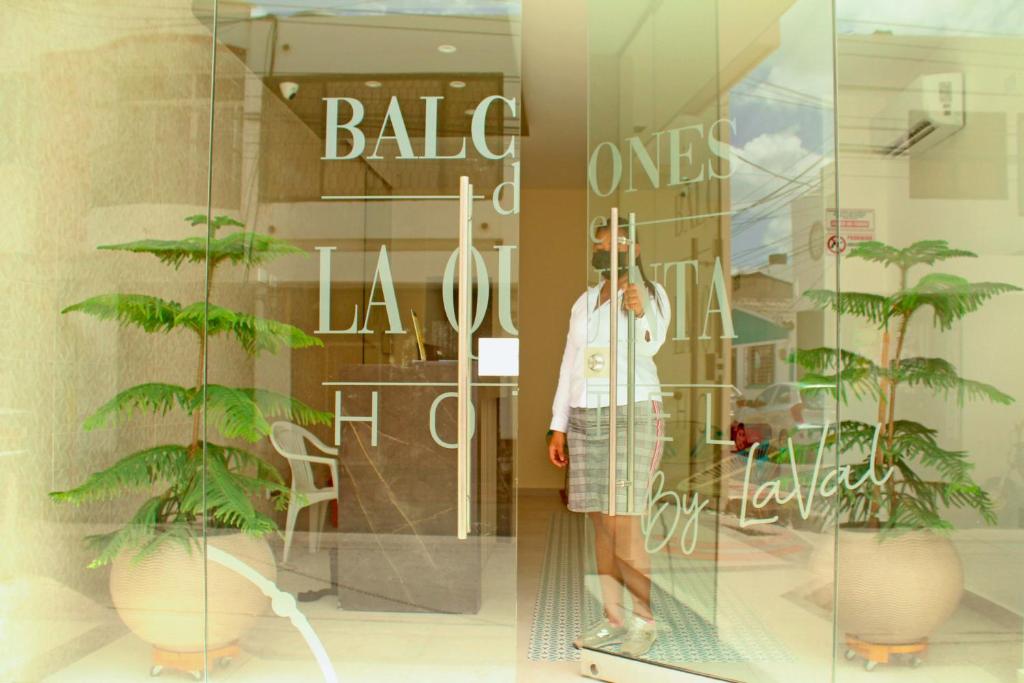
{"points": [[446, 49], [457, 84], [373, 84]]}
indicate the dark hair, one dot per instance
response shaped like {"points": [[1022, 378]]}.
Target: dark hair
{"points": [[640, 267]]}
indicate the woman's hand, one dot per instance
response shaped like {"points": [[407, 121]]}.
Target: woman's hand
{"points": [[556, 450], [632, 299]]}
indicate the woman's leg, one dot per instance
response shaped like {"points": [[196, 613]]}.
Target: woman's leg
{"points": [[607, 567], [634, 563]]}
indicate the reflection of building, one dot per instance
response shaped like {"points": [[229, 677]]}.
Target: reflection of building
{"points": [[759, 351], [763, 317]]}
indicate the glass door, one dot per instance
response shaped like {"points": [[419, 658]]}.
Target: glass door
{"points": [[372, 157], [711, 164]]}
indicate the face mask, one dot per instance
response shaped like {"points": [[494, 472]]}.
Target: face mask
{"points": [[602, 261]]}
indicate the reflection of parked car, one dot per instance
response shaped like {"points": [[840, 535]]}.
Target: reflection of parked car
{"points": [[781, 411]]}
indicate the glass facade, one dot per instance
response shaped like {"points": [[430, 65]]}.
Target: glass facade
{"points": [[266, 272]]}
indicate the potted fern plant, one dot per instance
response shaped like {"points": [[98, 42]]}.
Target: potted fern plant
{"points": [[194, 489], [899, 575]]}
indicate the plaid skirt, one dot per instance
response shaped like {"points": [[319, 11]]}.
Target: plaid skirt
{"points": [[588, 456]]}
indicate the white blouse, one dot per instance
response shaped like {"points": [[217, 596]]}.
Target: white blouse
{"points": [[589, 329]]}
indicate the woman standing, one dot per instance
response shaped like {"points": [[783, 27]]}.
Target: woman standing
{"points": [[579, 439]]}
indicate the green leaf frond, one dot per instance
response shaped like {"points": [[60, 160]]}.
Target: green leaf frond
{"points": [[254, 334], [154, 397], [856, 435], [151, 313], [275, 405], [250, 248], [241, 460], [828, 370], [233, 476], [138, 471], [247, 248], [951, 297], [139, 531], [917, 501], [924, 252], [228, 494], [940, 375], [170, 252], [873, 307], [216, 224], [143, 536], [234, 413]]}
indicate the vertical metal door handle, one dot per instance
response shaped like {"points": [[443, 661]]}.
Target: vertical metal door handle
{"points": [[464, 365], [631, 378], [613, 361]]}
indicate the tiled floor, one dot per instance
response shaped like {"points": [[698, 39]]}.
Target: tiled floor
{"points": [[763, 585]]}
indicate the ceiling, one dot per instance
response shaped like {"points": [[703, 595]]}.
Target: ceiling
{"points": [[541, 52]]}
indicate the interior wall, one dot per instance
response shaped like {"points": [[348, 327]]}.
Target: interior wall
{"points": [[552, 275], [552, 250]]}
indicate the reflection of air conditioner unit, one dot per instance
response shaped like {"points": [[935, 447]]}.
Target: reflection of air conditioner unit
{"points": [[924, 114]]}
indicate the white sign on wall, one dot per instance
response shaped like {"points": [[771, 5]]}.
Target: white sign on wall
{"points": [[854, 225]]}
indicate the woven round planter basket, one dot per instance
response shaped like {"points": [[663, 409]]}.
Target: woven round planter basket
{"points": [[161, 597], [896, 589]]}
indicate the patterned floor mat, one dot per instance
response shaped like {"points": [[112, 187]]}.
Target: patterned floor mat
{"points": [[564, 604]]}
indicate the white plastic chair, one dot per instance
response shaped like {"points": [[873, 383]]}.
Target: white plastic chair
{"points": [[290, 441]]}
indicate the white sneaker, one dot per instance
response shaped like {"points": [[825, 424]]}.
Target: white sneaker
{"points": [[640, 636], [600, 634]]}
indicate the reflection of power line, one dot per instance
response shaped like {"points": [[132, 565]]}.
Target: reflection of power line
{"points": [[931, 46], [769, 171], [776, 200], [742, 227], [921, 60], [955, 31], [790, 102], [789, 181], [793, 91], [777, 203]]}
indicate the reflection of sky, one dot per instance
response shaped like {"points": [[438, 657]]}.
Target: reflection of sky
{"points": [[783, 109], [784, 123], [931, 17], [363, 7]]}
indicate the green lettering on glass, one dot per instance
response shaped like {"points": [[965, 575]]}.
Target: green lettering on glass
{"points": [[650, 166], [433, 419], [676, 176], [324, 325], [479, 127], [595, 159], [505, 288], [401, 136], [331, 132], [483, 289], [720, 149], [430, 131], [514, 183], [680, 267], [340, 418], [658, 499], [717, 292], [383, 277], [680, 150]]}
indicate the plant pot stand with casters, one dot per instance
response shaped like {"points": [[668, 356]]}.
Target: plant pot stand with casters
{"points": [[192, 663], [880, 653]]}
